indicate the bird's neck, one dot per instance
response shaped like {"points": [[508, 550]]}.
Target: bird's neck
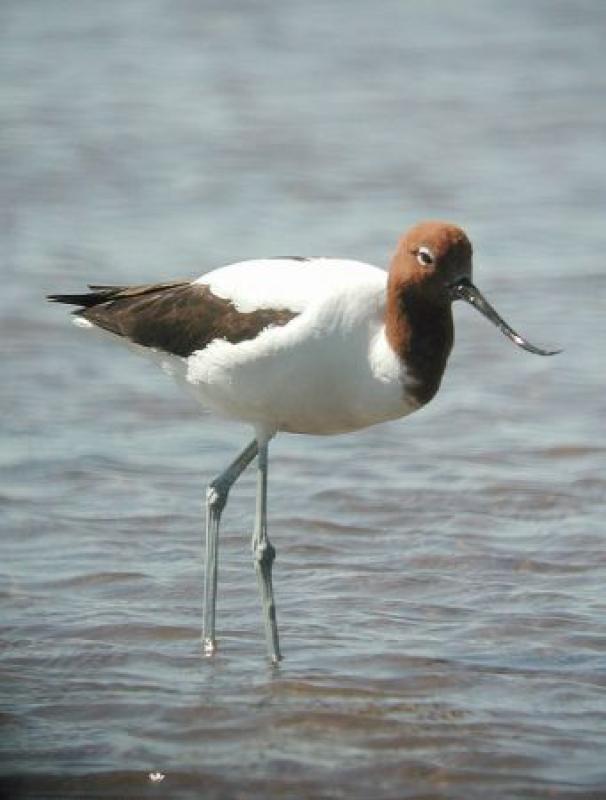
{"points": [[420, 330]]}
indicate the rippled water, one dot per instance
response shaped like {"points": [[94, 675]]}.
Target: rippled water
{"points": [[440, 581]]}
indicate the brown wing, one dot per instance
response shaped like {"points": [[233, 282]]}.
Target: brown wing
{"points": [[179, 317]]}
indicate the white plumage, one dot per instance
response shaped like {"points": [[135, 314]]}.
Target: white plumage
{"points": [[329, 370]]}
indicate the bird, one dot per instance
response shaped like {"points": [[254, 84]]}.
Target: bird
{"points": [[305, 345]]}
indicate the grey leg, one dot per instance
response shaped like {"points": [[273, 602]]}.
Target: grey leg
{"points": [[216, 498], [264, 554]]}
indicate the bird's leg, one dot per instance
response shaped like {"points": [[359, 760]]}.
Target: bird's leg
{"points": [[264, 554], [216, 498]]}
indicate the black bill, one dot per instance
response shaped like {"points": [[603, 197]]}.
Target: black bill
{"points": [[464, 289]]}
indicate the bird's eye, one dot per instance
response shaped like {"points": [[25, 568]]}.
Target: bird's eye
{"points": [[424, 256]]}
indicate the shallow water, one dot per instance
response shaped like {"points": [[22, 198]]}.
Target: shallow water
{"points": [[440, 581]]}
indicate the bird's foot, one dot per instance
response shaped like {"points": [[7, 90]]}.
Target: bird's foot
{"points": [[209, 646]]}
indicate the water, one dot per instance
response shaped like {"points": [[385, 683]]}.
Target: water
{"points": [[440, 580]]}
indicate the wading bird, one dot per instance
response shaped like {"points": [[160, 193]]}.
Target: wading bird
{"points": [[302, 345]]}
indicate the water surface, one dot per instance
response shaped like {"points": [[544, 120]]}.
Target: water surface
{"points": [[440, 580]]}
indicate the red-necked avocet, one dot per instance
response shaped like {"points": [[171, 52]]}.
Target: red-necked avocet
{"points": [[302, 345]]}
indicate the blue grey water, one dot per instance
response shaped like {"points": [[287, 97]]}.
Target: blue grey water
{"points": [[440, 580]]}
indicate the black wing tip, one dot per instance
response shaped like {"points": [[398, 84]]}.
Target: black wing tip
{"points": [[102, 293], [97, 294], [70, 299]]}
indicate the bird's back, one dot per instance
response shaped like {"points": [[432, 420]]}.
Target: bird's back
{"points": [[295, 283]]}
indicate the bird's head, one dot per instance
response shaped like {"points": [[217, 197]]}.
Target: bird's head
{"points": [[434, 261]]}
